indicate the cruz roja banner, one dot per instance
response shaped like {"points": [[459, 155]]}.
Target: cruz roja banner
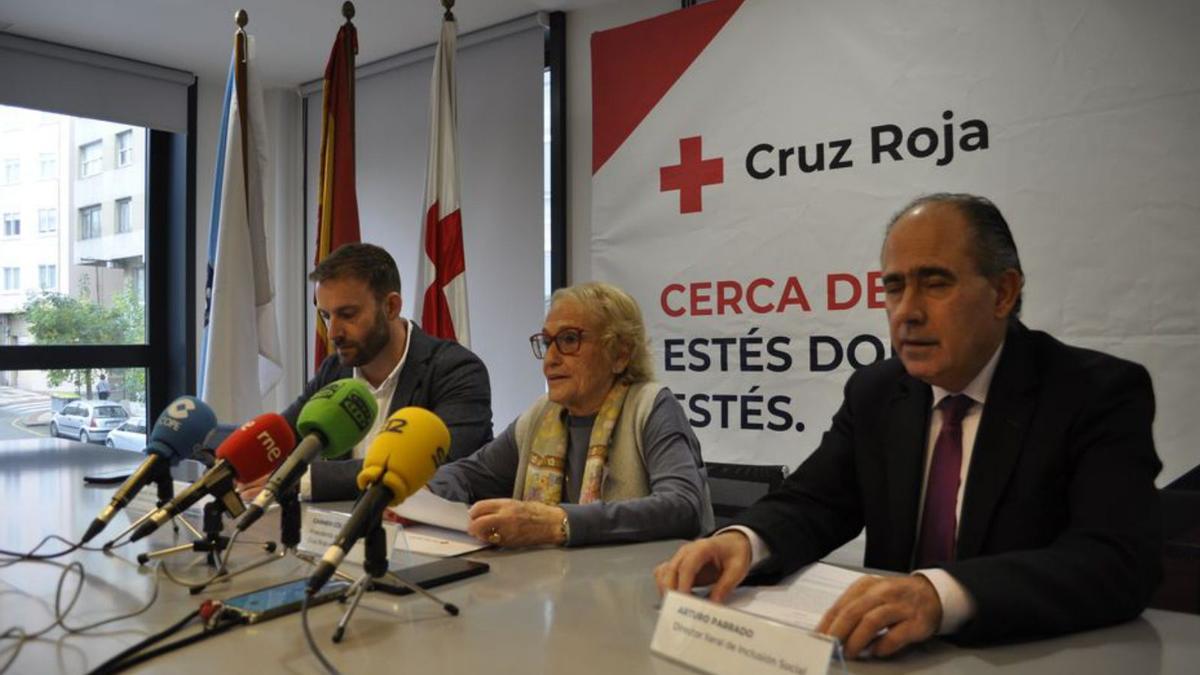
{"points": [[748, 155]]}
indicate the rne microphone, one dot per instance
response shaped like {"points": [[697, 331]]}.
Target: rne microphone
{"points": [[176, 435], [405, 455], [248, 454], [331, 423]]}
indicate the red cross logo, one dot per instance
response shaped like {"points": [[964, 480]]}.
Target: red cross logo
{"points": [[691, 174]]}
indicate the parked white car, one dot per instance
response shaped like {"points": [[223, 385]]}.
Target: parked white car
{"points": [[88, 421], [131, 435]]}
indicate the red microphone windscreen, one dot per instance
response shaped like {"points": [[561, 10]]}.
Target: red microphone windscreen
{"points": [[258, 446]]}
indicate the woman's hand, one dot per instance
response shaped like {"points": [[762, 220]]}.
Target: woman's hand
{"points": [[512, 523]]}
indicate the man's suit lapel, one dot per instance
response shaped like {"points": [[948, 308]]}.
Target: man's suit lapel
{"points": [[420, 350], [907, 424], [998, 442]]}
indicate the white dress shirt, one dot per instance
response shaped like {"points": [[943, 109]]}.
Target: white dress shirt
{"points": [[383, 400], [957, 604]]}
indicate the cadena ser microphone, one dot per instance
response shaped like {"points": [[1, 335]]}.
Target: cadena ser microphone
{"points": [[248, 454], [176, 435], [333, 421], [413, 443]]}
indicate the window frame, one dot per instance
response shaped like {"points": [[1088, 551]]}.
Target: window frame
{"points": [[98, 161], [42, 163], [85, 231], [122, 227], [11, 163], [53, 220], [42, 285], [124, 153], [9, 219], [8, 286]]}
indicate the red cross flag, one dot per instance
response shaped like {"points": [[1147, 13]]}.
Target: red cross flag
{"points": [[444, 265]]}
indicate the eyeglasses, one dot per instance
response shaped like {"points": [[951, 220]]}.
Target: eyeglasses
{"points": [[567, 340]]}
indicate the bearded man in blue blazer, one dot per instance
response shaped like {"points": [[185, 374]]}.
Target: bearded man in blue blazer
{"points": [[358, 298]]}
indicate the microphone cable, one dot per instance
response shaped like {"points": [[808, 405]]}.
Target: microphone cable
{"points": [[33, 556], [21, 636], [312, 644], [216, 619]]}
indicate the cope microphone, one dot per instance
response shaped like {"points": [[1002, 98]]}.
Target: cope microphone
{"points": [[248, 454], [333, 421], [413, 443], [176, 435]]}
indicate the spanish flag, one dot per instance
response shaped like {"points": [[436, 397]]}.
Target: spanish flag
{"points": [[337, 210]]}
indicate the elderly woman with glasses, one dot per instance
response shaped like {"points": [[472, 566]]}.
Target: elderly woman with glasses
{"points": [[607, 455]]}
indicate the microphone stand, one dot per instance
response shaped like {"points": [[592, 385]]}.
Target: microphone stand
{"points": [[375, 565], [211, 542], [289, 537]]}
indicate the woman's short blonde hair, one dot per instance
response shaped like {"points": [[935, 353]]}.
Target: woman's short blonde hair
{"points": [[621, 325]]}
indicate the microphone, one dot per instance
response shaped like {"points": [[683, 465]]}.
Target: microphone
{"points": [[332, 422], [411, 446], [176, 435], [248, 454]]}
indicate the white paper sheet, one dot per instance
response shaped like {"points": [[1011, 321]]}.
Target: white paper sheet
{"points": [[425, 507], [801, 599], [440, 527]]}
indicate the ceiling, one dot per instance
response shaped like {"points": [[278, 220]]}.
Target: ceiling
{"points": [[292, 37]]}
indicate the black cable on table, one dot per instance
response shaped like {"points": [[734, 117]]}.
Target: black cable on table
{"points": [[312, 644]]}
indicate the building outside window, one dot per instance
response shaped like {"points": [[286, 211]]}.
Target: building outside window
{"points": [[89, 222], [49, 166], [47, 220], [139, 282], [12, 279], [12, 171], [124, 215], [90, 159], [12, 224], [124, 148], [47, 277]]}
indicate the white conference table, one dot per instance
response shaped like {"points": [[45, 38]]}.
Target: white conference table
{"points": [[576, 611]]}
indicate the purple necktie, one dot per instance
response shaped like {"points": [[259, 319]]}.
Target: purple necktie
{"points": [[939, 522]]}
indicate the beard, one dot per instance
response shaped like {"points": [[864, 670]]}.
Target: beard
{"points": [[372, 344]]}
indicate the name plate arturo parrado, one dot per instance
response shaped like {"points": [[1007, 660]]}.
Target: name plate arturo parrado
{"points": [[724, 641]]}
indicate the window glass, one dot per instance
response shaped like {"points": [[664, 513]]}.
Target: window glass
{"points": [[49, 166], [124, 215], [79, 278], [89, 222], [12, 171], [47, 220], [90, 159], [125, 148], [31, 400]]}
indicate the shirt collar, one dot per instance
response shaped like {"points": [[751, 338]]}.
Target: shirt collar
{"points": [[390, 380], [977, 388]]}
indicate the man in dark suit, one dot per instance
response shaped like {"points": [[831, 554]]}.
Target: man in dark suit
{"points": [[1013, 473], [358, 298]]}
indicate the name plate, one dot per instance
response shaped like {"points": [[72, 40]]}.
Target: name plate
{"points": [[724, 641], [319, 529]]}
